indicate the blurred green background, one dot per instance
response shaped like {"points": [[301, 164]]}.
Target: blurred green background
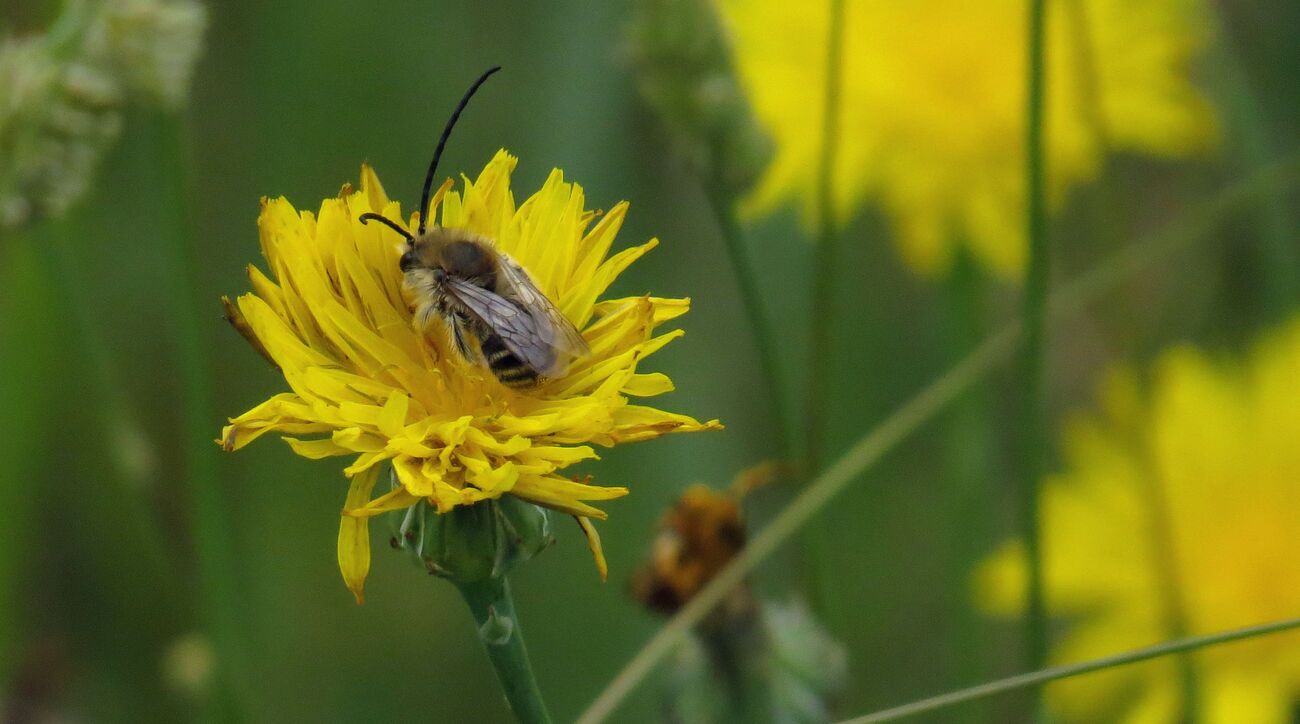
{"points": [[98, 571]]}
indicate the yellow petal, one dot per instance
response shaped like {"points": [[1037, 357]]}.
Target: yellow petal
{"points": [[371, 189], [392, 418], [565, 495], [595, 245], [593, 542], [648, 385], [393, 500], [577, 305], [317, 449], [354, 536], [490, 479], [637, 422]]}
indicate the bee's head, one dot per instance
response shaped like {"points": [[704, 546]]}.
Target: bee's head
{"points": [[408, 260], [448, 252]]}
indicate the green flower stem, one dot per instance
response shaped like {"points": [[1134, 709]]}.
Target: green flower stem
{"points": [[27, 344], [1038, 678], [58, 320], [1034, 316], [1256, 147], [1169, 581], [871, 447], [130, 450], [751, 295], [221, 605], [120, 497], [823, 291], [816, 407], [493, 608], [969, 467]]}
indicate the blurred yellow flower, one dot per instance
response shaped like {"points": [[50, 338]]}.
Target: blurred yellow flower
{"points": [[1222, 443], [364, 379], [932, 108]]}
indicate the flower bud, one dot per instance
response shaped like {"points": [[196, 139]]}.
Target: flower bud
{"points": [[471, 543], [684, 73]]}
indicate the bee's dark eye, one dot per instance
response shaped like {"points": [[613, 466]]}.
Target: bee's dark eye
{"points": [[407, 261]]}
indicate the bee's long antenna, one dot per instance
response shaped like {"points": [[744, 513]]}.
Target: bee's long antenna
{"points": [[442, 142], [387, 222]]}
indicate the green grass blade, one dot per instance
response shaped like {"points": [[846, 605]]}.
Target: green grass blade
{"points": [[1033, 433], [27, 343], [760, 325], [1038, 678], [816, 407], [1251, 138], [221, 604], [823, 286]]}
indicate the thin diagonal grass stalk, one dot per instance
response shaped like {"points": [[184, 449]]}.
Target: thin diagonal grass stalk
{"points": [[1038, 678], [872, 446]]}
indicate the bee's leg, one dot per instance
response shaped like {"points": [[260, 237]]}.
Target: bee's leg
{"points": [[460, 336]]}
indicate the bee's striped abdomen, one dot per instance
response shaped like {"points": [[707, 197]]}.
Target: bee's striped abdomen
{"points": [[509, 369]]}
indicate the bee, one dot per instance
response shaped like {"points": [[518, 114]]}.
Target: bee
{"points": [[486, 299], [494, 313]]}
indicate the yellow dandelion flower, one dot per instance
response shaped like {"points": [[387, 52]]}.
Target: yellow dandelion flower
{"points": [[365, 381], [932, 107], [1220, 441]]}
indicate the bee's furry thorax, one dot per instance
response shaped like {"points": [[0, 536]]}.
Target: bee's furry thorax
{"points": [[492, 311]]}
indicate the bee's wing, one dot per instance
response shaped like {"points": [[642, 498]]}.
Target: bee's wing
{"points": [[528, 330], [563, 337]]}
